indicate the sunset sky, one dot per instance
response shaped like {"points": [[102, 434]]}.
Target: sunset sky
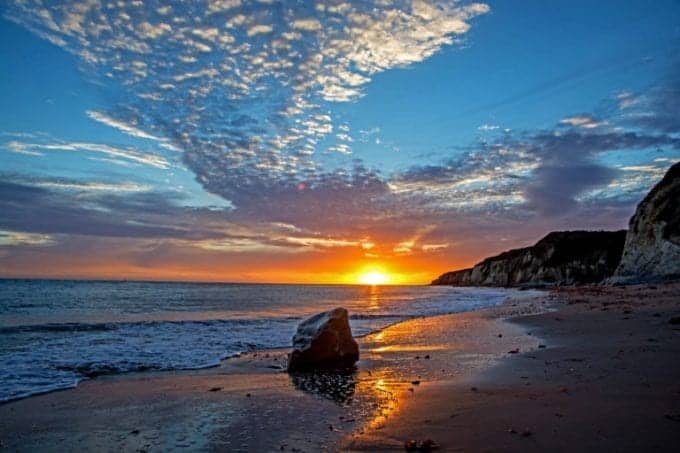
{"points": [[299, 141]]}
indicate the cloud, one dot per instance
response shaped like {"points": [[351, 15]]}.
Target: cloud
{"points": [[488, 127], [129, 154], [16, 238], [657, 109], [259, 29], [551, 173], [49, 210], [306, 24], [246, 91], [94, 186], [190, 75], [553, 188], [582, 121], [121, 126]]}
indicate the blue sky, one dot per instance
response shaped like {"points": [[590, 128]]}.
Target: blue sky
{"points": [[224, 133]]}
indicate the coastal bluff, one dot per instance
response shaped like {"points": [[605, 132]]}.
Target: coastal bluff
{"points": [[648, 251], [652, 248], [562, 257]]}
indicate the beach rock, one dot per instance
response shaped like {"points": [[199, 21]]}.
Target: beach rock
{"points": [[652, 247], [324, 341], [560, 258]]}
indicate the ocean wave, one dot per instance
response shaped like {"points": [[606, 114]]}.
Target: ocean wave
{"points": [[42, 357]]}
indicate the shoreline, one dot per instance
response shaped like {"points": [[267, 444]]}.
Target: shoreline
{"points": [[606, 379], [414, 380], [218, 362], [252, 385]]}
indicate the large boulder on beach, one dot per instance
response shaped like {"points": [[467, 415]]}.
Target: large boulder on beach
{"points": [[652, 248], [324, 341]]}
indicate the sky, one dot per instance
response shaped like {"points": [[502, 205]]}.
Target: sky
{"points": [[300, 141]]}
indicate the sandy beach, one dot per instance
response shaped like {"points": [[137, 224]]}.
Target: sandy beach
{"points": [[577, 369]]}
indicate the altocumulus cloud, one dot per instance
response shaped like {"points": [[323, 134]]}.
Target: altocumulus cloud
{"points": [[245, 88]]}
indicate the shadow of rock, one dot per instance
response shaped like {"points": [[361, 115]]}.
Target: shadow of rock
{"points": [[336, 385]]}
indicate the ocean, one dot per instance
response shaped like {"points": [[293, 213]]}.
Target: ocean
{"points": [[53, 334]]}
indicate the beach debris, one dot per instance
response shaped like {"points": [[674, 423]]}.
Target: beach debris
{"points": [[411, 445], [513, 351], [673, 417], [526, 432], [324, 341], [424, 446], [427, 445], [215, 389]]}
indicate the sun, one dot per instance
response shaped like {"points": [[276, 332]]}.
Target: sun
{"points": [[374, 278]]}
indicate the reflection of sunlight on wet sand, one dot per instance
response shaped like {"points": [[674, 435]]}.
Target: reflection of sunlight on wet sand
{"points": [[401, 354], [409, 348], [388, 395]]}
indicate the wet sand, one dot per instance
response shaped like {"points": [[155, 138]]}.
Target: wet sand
{"points": [[607, 378]]}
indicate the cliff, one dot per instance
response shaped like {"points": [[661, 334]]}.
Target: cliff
{"points": [[565, 257], [652, 247]]}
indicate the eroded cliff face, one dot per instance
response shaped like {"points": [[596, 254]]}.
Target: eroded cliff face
{"points": [[652, 248], [566, 258]]}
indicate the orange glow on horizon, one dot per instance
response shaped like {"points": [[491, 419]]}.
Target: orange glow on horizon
{"points": [[339, 265]]}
